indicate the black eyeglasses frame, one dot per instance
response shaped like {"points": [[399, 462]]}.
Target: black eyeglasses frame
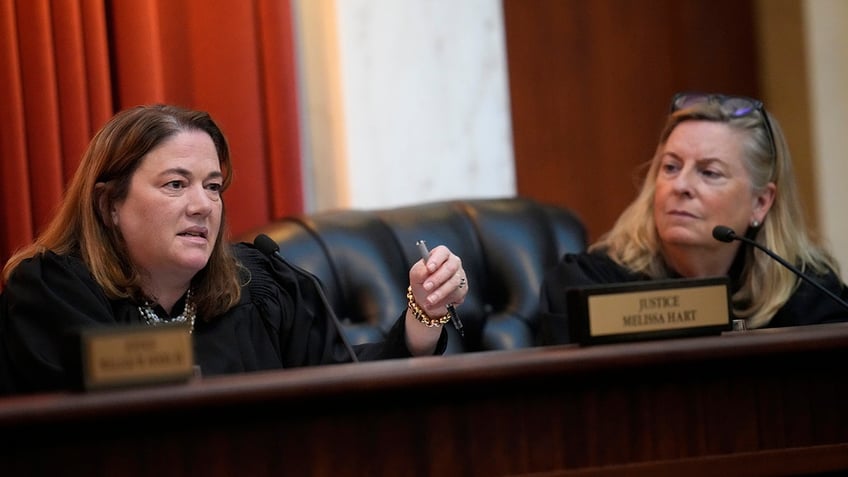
{"points": [[748, 104]]}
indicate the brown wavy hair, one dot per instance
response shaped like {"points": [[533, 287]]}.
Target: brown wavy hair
{"points": [[82, 224]]}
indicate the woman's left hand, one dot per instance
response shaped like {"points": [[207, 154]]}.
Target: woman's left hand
{"points": [[439, 282]]}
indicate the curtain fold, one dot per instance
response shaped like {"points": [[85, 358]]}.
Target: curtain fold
{"points": [[45, 85], [279, 80], [67, 65], [15, 207]]}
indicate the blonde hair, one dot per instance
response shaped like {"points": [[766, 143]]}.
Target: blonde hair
{"points": [[633, 241], [82, 223]]}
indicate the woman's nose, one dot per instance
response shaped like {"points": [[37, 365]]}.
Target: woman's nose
{"points": [[683, 182], [199, 200]]}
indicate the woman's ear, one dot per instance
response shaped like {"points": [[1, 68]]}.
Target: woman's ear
{"points": [[105, 207], [763, 202]]}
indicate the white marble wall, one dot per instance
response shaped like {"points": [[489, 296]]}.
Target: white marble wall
{"points": [[828, 76], [405, 101]]}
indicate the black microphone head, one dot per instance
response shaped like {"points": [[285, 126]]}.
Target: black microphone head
{"points": [[265, 244], [724, 233]]}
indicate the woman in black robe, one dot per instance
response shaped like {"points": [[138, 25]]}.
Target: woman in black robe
{"points": [[140, 238], [721, 161]]}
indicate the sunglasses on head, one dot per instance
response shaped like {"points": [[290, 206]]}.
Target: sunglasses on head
{"points": [[734, 106]]}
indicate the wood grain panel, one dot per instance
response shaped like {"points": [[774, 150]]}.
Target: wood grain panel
{"points": [[766, 402], [590, 84]]}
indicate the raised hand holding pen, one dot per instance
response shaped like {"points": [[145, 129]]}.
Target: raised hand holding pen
{"points": [[446, 286]]}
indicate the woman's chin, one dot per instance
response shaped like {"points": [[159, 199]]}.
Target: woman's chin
{"points": [[680, 236], [194, 263]]}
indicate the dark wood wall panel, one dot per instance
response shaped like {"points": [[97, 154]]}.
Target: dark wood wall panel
{"points": [[590, 82]]}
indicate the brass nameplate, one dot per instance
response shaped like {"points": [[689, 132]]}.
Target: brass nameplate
{"points": [[649, 310], [136, 355]]}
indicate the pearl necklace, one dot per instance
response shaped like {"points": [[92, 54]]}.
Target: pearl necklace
{"points": [[188, 314]]}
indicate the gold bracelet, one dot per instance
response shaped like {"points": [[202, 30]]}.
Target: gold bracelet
{"points": [[421, 315]]}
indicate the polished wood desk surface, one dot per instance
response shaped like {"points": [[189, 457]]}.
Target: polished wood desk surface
{"points": [[562, 409], [465, 370]]}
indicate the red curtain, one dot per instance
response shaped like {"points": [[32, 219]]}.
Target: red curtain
{"points": [[67, 65]]}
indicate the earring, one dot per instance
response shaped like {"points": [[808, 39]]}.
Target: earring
{"points": [[755, 223]]}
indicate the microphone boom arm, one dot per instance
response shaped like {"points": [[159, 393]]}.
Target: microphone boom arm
{"points": [[266, 245], [726, 234]]}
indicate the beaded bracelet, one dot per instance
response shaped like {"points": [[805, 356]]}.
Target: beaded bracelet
{"points": [[421, 315]]}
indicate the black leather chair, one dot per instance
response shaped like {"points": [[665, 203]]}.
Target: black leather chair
{"points": [[362, 257]]}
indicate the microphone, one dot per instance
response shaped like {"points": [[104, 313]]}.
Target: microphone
{"points": [[723, 233], [268, 246]]}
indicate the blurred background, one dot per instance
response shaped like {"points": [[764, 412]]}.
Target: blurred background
{"points": [[377, 103]]}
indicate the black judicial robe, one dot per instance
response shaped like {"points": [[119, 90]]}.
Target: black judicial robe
{"points": [[806, 306], [280, 322]]}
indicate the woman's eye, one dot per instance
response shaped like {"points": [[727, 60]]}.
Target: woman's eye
{"points": [[669, 168], [709, 173], [214, 187], [174, 185]]}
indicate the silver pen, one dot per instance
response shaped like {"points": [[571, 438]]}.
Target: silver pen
{"points": [[425, 255]]}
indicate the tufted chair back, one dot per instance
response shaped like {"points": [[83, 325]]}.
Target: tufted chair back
{"points": [[362, 257]]}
